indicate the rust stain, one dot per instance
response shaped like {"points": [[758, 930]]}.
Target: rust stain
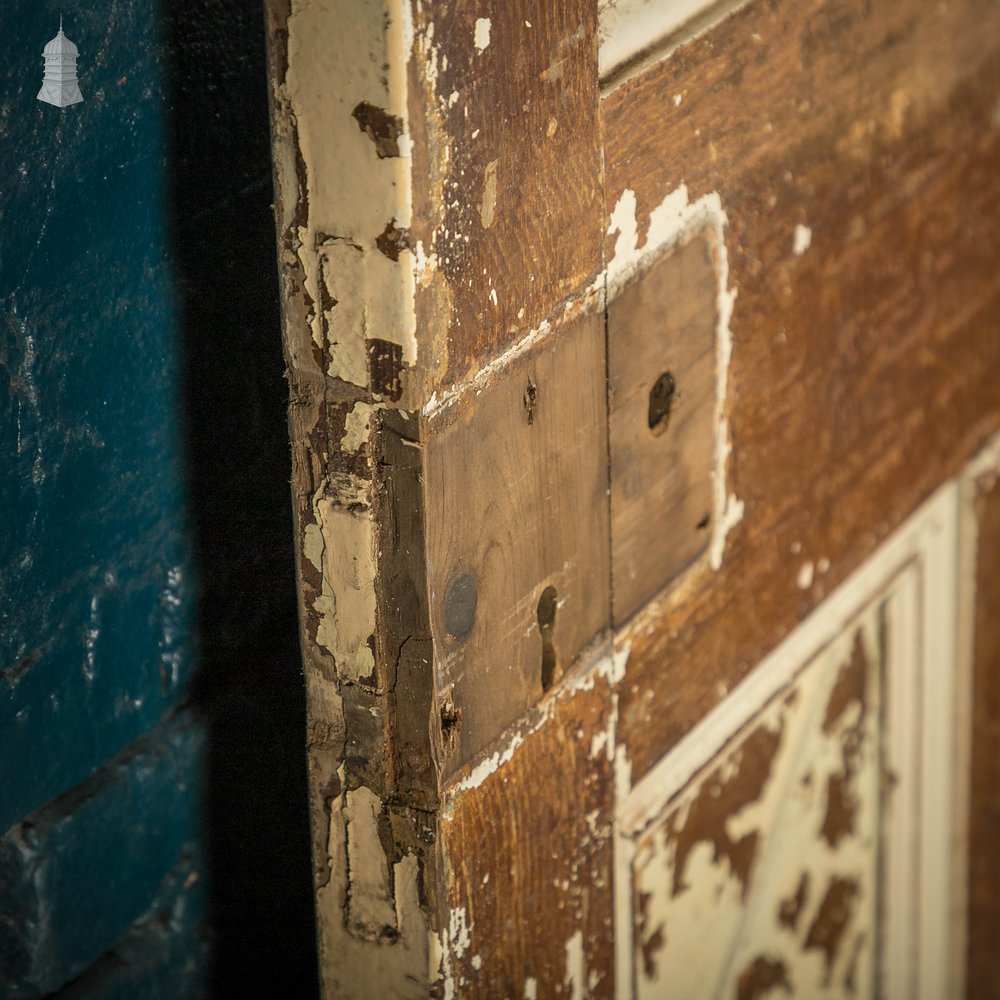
{"points": [[719, 799], [791, 907], [762, 976], [831, 920]]}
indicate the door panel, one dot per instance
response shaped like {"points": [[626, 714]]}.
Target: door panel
{"points": [[789, 209], [801, 835]]}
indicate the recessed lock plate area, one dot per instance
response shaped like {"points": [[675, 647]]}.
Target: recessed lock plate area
{"points": [[661, 420], [516, 487], [566, 491]]}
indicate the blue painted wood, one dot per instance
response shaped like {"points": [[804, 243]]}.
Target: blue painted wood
{"points": [[94, 560], [142, 432], [76, 875], [163, 955]]}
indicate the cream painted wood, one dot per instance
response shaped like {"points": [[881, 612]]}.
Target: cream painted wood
{"points": [[629, 29], [914, 580]]}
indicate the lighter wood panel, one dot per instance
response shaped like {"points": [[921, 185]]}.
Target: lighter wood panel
{"points": [[516, 481], [661, 421]]}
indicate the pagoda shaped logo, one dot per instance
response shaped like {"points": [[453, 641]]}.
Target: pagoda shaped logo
{"points": [[59, 86]]}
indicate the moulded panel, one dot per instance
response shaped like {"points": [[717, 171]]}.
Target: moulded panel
{"points": [[762, 872], [802, 836]]}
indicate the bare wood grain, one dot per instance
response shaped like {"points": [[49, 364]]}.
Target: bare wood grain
{"points": [[529, 869], [508, 137], [516, 482], [863, 370]]}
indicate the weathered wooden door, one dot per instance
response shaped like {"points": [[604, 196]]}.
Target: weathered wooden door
{"points": [[641, 360]]}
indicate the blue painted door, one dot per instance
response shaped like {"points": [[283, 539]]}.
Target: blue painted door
{"points": [[151, 770]]}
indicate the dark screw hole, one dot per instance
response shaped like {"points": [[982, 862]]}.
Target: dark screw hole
{"points": [[451, 719], [530, 395], [661, 401], [703, 523], [546, 625]]}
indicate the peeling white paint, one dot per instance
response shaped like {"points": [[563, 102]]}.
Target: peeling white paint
{"points": [[458, 931], [491, 764], [424, 265], [801, 239], [351, 192], [370, 905], [531, 988], [576, 967], [346, 605], [714, 914], [357, 426], [805, 575], [912, 578], [312, 545], [482, 33]]}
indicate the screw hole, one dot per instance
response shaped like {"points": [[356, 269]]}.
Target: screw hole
{"points": [[530, 395], [451, 720], [547, 605], [661, 402], [703, 523]]}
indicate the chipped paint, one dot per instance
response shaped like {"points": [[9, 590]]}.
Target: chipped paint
{"points": [[357, 427], [354, 150], [454, 941], [345, 607], [804, 578], [377, 916], [576, 967], [848, 691], [350, 270], [725, 844], [458, 931], [481, 38], [371, 910], [801, 239]]}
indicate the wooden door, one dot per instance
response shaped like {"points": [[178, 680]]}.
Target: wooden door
{"points": [[641, 356]]}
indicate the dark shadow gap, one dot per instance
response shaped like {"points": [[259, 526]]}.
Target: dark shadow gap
{"points": [[250, 688]]}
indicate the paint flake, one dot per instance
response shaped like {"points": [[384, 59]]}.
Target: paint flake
{"points": [[801, 240], [482, 34]]}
